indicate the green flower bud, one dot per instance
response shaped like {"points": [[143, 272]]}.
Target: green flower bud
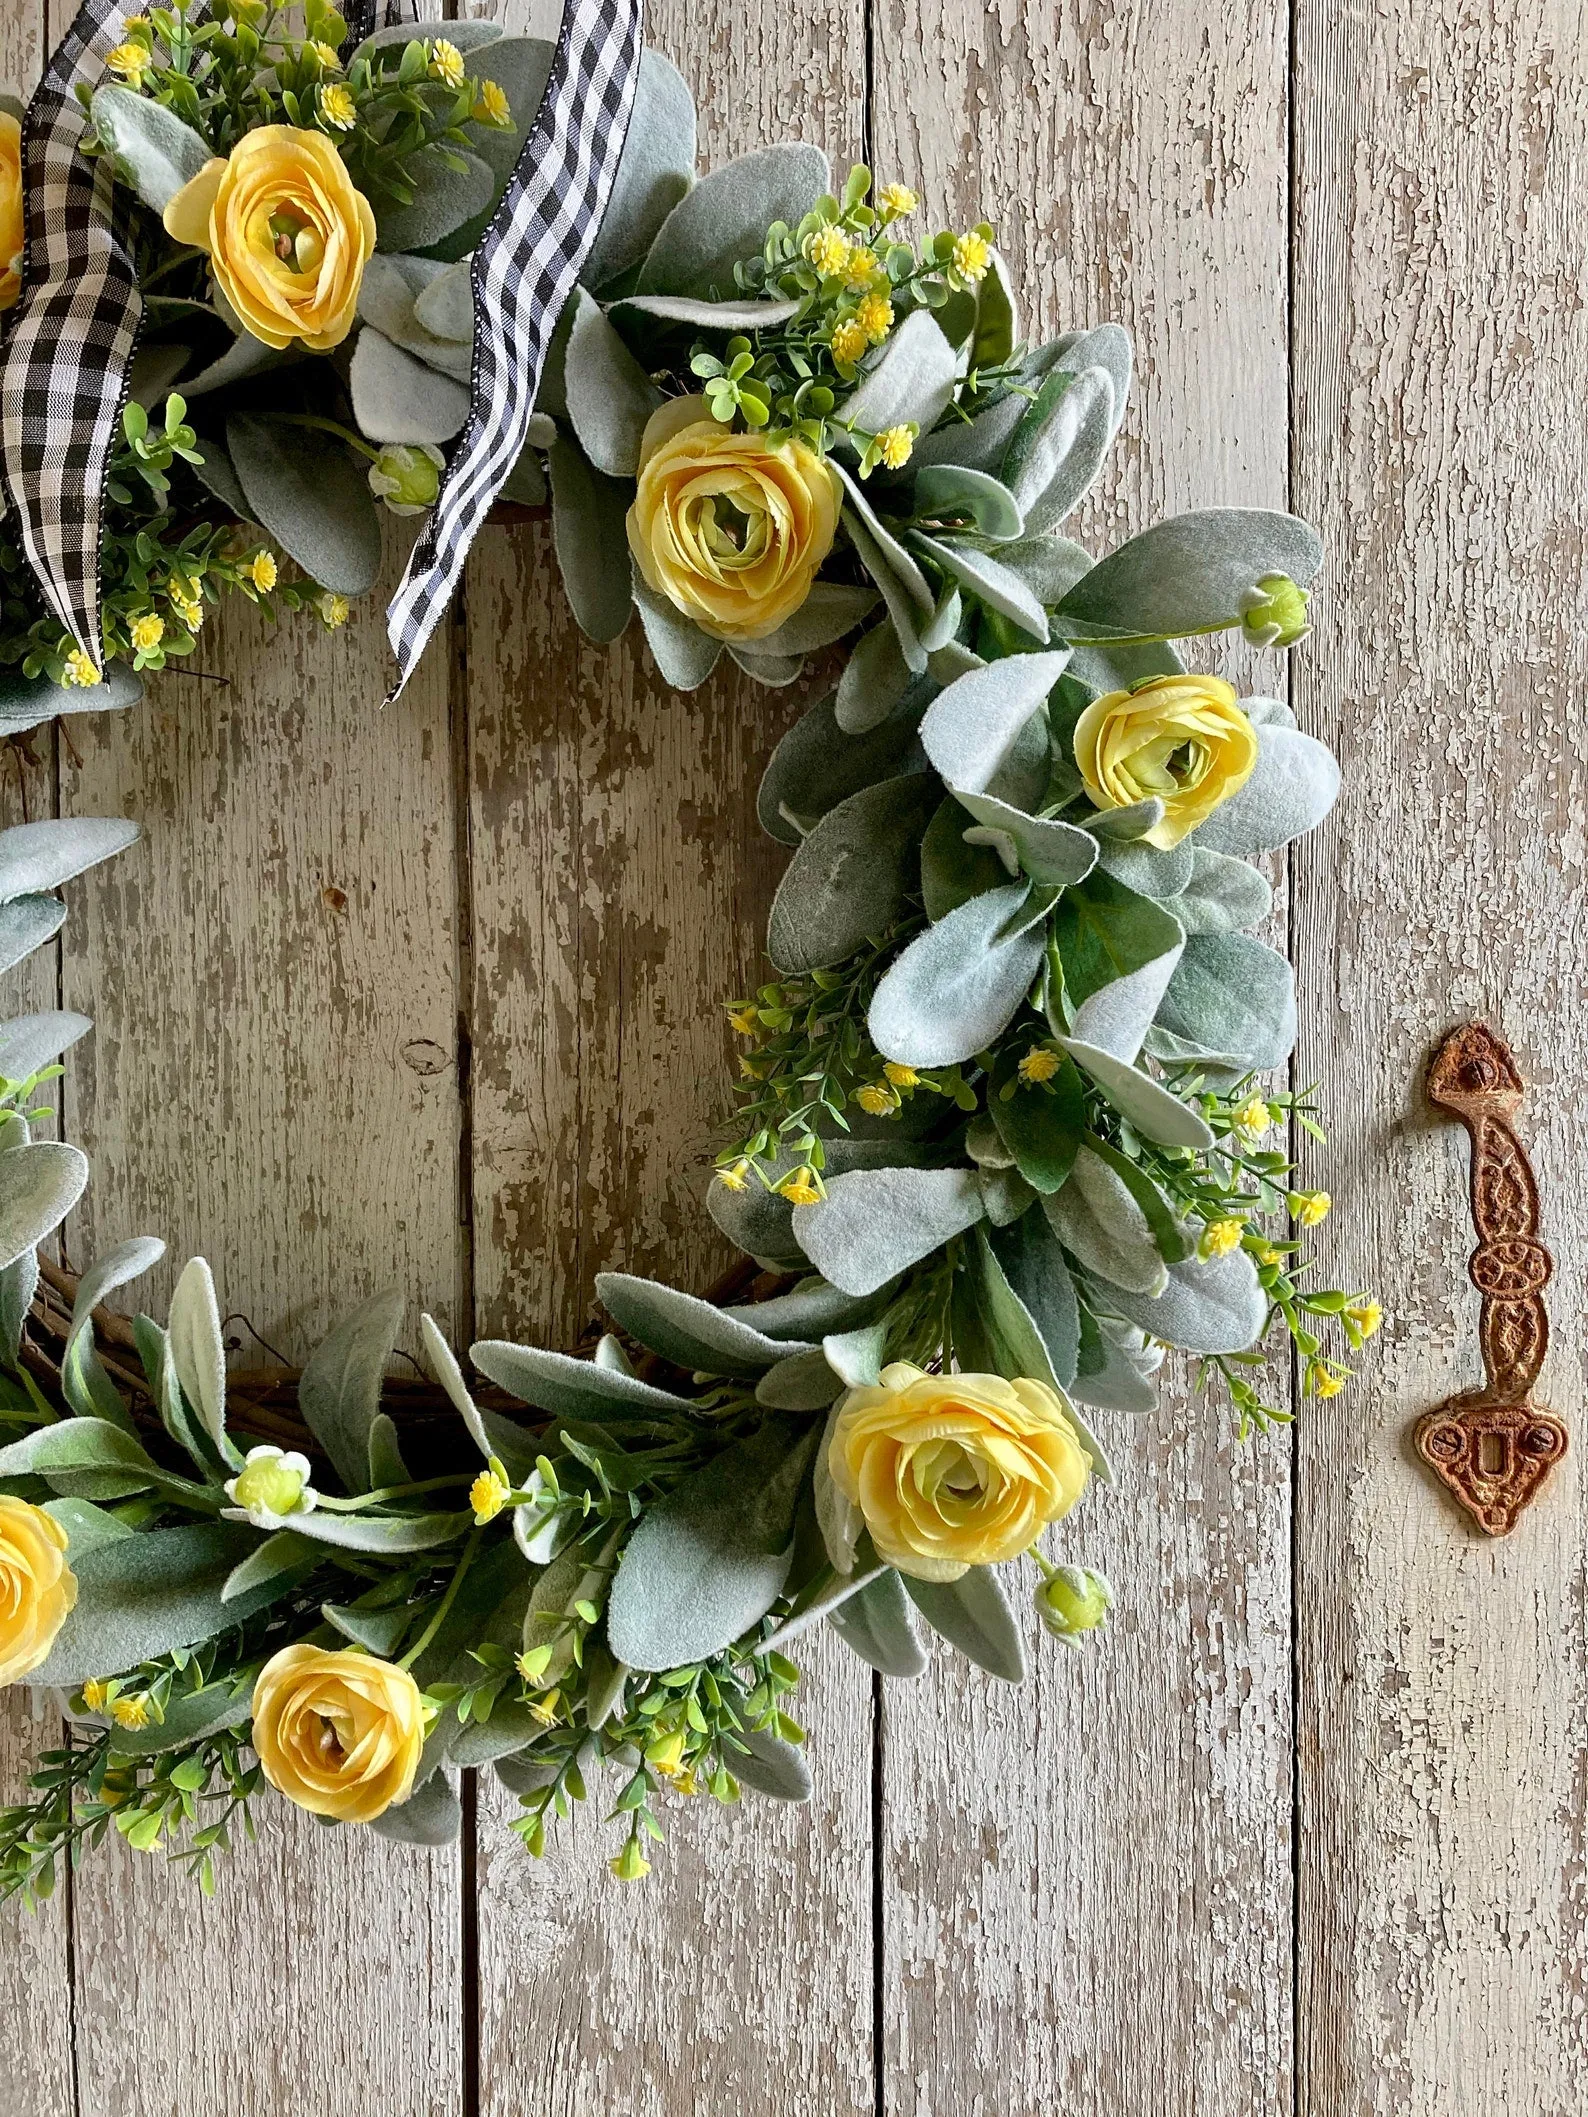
{"points": [[1073, 1601], [407, 476], [1274, 613], [271, 1486]]}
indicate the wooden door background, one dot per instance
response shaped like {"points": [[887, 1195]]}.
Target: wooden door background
{"points": [[432, 994]]}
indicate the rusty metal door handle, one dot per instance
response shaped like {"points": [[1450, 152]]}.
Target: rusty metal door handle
{"points": [[1493, 1448]]}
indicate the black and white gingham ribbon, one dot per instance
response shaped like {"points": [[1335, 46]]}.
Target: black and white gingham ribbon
{"points": [[71, 339], [71, 335], [523, 273]]}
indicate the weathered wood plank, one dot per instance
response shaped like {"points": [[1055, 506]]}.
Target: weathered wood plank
{"points": [[35, 1990], [1442, 362], [1086, 1887], [271, 1080], [620, 889]]}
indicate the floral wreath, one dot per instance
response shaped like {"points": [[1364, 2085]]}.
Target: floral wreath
{"points": [[1001, 1135]]}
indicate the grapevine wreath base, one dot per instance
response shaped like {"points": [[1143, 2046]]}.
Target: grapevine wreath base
{"points": [[1006, 1125]]}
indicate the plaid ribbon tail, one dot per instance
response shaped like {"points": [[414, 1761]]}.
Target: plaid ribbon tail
{"points": [[71, 336], [523, 273]]}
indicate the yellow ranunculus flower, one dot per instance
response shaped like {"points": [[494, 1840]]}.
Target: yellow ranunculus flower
{"points": [[726, 527], [11, 224], [1183, 739], [37, 1587], [955, 1471], [338, 1733], [288, 236]]}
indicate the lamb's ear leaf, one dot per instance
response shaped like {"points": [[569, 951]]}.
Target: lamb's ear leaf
{"points": [[709, 1560], [431, 1815], [588, 512], [141, 1597], [952, 869], [986, 578], [724, 218], [1119, 951], [26, 923], [692, 1333], [655, 170], [953, 488], [809, 1312], [907, 613], [1188, 573], [973, 1614], [312, 497], [875, 1624], [1293, 786], [445, 200], [996, 317], [569, 1388], [972, 731], [1149, 1106], [86, 1386], [771, 1765], [830, 609], [1059, 446], [339, 1390], [1033, 1263], [802, 1382], [153, 149], [1209, 1305], [18, 1284], [1222, 895], [1100, 1222], [852, 876], [610, 396], [1050, 852], [1233, 993], [858, 507], [35, 857], [399, 397], [957, 986], [876, 677], [197, 1351], [875, 1223], [39, 1184], [912, 380], [684, 654]]}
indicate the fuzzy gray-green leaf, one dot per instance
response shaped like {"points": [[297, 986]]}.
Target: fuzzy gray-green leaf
{"points": [[851, 877], [339, 1391], [957, 986], [875, 1223], [709, 1560], [725, 218], [313, 499], [692, 1333], [973, 1614], [588, 516], [610, 396]]}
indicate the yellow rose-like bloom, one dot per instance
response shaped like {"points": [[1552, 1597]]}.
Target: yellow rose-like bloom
{"points": [[955, 1471], [37, 1587], [446, 63], [728, 528], [299, 280], [11, 229], [1183, 739], [338, 1733]]}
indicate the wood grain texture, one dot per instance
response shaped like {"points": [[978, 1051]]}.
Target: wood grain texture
{"points": [[1442, 363], [1120, 1829], [620, 888], [271, 1081]]}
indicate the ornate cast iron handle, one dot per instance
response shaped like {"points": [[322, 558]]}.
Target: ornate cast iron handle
{"points": [[1492, 1447]]}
